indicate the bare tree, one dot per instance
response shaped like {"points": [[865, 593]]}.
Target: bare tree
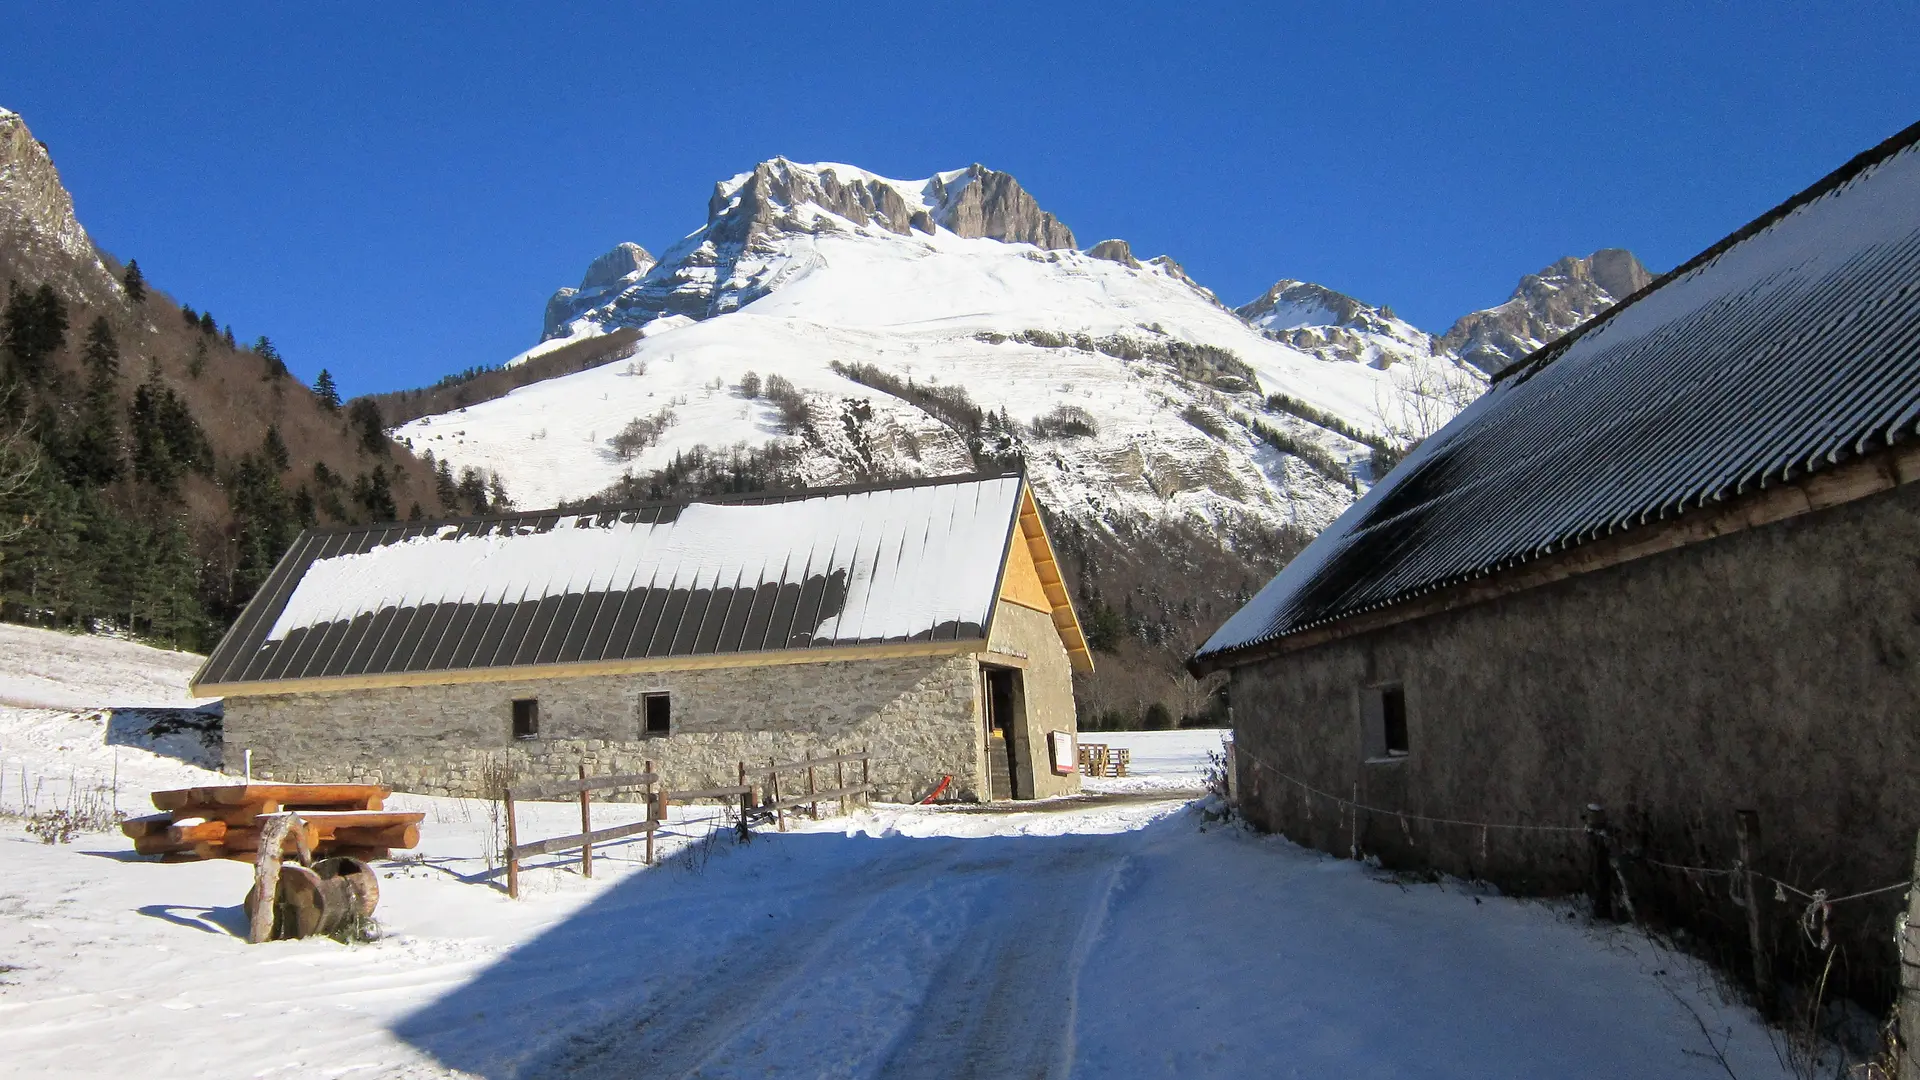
{"points": [[1426, 392]]}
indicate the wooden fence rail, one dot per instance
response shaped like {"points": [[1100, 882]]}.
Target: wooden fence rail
{"points": [[586, 837], [811, 798], [658, 800]]}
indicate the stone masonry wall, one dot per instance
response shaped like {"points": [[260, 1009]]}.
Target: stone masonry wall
{"points": [[918, 715], [1774, 670]]}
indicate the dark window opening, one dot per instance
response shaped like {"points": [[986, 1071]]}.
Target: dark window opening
{"points": [[657, 712], [526, 718], [1393, 716]]}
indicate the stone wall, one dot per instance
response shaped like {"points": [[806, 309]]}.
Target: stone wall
{"points": [[918, 715], [1774, 669], [1047, 688]]}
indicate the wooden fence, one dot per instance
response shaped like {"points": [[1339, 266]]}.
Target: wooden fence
{"points": [[811, 797], [657, 799]]}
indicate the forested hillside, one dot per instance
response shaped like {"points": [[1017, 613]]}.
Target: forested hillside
{"points": [[152, 467]]}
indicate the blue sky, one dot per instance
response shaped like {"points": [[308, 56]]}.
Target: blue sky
{"points": [[393, 196]]}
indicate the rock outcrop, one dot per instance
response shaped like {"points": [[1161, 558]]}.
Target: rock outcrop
{"points": [[982, 202], [611, 268], [1115, 251], [40, 236], [1334, 326], [1546, 305]]}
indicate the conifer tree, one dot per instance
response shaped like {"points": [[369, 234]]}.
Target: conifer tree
{"points": [[497, 493], [191, 316], [231, 347], [207, 325], [274, 449], [275, 367], [374, 492], [328, 394], [96, 445], [364, 417], [473, 490], [197, 363], [36, 328], [135, 282], [445, 488]]}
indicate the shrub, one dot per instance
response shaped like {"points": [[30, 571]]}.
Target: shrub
{"points": [[640, 433], [795, 413], [1065, 421]]}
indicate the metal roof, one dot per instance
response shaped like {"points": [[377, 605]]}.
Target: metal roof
{"points": [[1787, 348], [882, 564]]}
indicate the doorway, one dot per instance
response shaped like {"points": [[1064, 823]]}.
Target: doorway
{"points": [[1004, 708]]}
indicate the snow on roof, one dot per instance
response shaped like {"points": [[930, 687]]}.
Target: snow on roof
{"points": [[913, 562], [1787, 347]]}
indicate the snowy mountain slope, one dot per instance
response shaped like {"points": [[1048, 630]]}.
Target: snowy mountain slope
{"points": [[1023, 330]]}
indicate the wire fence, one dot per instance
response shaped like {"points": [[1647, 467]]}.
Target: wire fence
{"points": [[1815, 914]]}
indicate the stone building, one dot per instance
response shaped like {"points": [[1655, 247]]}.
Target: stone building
{"points": [[1669, 565], [925, 621]]}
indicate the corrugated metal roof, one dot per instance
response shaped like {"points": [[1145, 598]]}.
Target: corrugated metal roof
{"points": [[912, 562], [1786, 348]]}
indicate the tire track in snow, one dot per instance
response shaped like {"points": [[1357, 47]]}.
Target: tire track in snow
{"points": [[1002, 1005], [696, 1015]]}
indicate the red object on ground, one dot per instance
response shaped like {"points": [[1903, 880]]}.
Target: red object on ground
{"points": [[944, 781]]}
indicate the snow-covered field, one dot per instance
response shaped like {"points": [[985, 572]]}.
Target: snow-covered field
{"points": [[1121, 936]]}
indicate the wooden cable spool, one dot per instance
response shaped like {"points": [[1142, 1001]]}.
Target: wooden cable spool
{"points": [[320, 899]]}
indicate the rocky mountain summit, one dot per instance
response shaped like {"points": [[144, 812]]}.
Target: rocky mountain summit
{"points": [[40, 239], [738, 255], [1546, 305]]}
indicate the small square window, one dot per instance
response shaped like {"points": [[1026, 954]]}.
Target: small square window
{"points": [[526, 718], [1384, 712], [656, 712]]}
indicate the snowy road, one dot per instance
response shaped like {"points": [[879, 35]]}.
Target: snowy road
{"points": [[1168, 948]]}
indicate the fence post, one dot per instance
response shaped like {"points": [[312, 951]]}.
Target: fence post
{"points": [[840, 781], [773, 778], [813, 807], [1909, 1009], [586, 827], [866, 781], [513, 843], [1601, 887], [746, 797], [653, 820], [1746, 831]]}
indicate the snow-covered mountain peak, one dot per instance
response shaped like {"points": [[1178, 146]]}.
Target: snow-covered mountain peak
{"points": [[1335, 326], [759, 232]]}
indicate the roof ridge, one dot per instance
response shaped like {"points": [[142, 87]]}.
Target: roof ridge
{"points": [[734, 498], [1893, 144]]}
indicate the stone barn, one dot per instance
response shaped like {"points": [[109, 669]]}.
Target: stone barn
{"points": [[1668, 565], [925, 621]]}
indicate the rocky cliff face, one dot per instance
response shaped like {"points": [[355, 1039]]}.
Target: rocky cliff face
{"points": [[1545, 306], [39, 235], [742, 253], [1335, 326]]}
